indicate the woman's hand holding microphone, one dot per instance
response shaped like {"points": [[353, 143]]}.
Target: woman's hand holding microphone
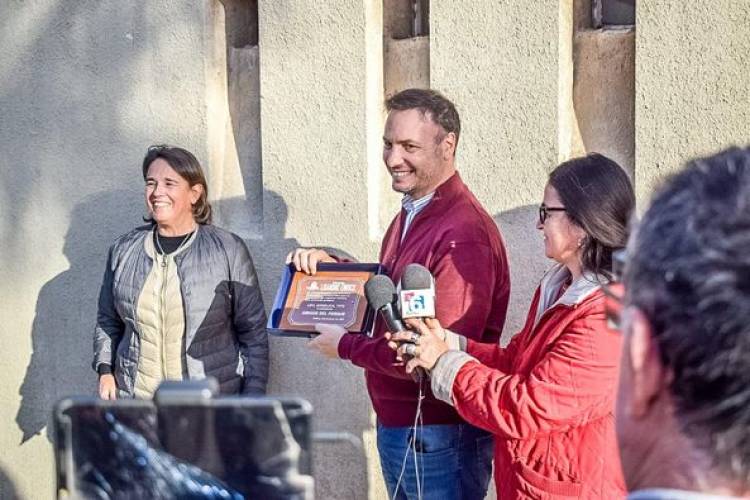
{"points": [[422, 344]]}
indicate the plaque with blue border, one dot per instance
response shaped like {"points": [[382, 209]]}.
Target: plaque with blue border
{"points": [[333, 295]]}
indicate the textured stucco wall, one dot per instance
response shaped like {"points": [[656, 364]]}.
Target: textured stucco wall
{"points": [[498, 61], [692, 83], [85, 87], [321, 91]]}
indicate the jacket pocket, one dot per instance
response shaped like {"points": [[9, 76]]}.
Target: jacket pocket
{"points": [[537, 485], [223, 298]]}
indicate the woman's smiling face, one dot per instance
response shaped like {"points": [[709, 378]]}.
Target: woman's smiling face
{"points": [[561, 236], [169, 197]]}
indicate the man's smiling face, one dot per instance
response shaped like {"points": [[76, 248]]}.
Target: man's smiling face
{"points": [[416, 152]]}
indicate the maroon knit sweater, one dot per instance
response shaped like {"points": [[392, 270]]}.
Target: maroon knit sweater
{"points": [[455, 238]]}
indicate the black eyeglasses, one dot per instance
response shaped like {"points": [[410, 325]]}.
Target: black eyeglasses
{"points": [[544, 211]]}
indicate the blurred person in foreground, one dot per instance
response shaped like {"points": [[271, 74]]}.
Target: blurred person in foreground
{"points": [[180, 297], [548, 397], [683, 408]]}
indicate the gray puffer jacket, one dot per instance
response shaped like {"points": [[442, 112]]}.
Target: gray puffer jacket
{"points": [[225, 321]]}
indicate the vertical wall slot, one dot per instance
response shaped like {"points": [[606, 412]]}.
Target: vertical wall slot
{"points": [[406, 45], [238, 184], [603, 80]]}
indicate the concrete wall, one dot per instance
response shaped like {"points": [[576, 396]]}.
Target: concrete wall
{"points": [[321, 122], [84, 90], [288, 123], [499, 63], [85, 87], [234, 115], [693, 84], [407, 64]]}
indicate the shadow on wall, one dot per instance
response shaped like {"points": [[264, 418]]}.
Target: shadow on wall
{"points": [[335, 389], [62, 335], [62, 89], [7, 488], [62, 332], [525, 247], [67, 138], [268, 250]]}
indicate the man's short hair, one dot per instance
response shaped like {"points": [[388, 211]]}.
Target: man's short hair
{"points": [[430, 103], [688, 271]]}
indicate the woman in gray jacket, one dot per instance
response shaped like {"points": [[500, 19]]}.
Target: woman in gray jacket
{"points": [[180, 298]]}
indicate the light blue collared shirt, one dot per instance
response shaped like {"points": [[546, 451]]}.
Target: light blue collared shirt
{"points": [[413, 207]]}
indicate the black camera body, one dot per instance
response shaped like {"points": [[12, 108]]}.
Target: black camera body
{"points": [[185, 444]]}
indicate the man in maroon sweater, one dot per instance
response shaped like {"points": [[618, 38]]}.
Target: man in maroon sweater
{"points": [[443, 227]]}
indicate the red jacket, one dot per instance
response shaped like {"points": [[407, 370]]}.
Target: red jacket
{"points": [[549, 398], [455, 238]]}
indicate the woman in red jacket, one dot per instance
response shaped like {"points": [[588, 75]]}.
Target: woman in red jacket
{"points": [[548, 397]]}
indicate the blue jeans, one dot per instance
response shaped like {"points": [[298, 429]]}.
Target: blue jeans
{"points": [[454, 461]]}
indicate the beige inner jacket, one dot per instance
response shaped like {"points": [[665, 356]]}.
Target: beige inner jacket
{"points": [[161, 321]]}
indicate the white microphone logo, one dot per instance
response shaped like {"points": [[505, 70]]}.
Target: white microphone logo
{"points": [[417, 304]]}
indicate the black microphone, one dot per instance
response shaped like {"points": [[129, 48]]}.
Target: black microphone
{"points": [[381, 295]]}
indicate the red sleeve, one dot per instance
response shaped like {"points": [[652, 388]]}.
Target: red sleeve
{"points": [[465, 276], [372, 354], [493, 355], [570, 386], [464, 279], [498, 357]]}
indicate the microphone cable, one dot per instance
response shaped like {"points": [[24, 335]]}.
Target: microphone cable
{"points": [[416, 429]]}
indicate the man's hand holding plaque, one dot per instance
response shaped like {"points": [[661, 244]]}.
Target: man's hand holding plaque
{"points": [[307, 259], [317, 290]]}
